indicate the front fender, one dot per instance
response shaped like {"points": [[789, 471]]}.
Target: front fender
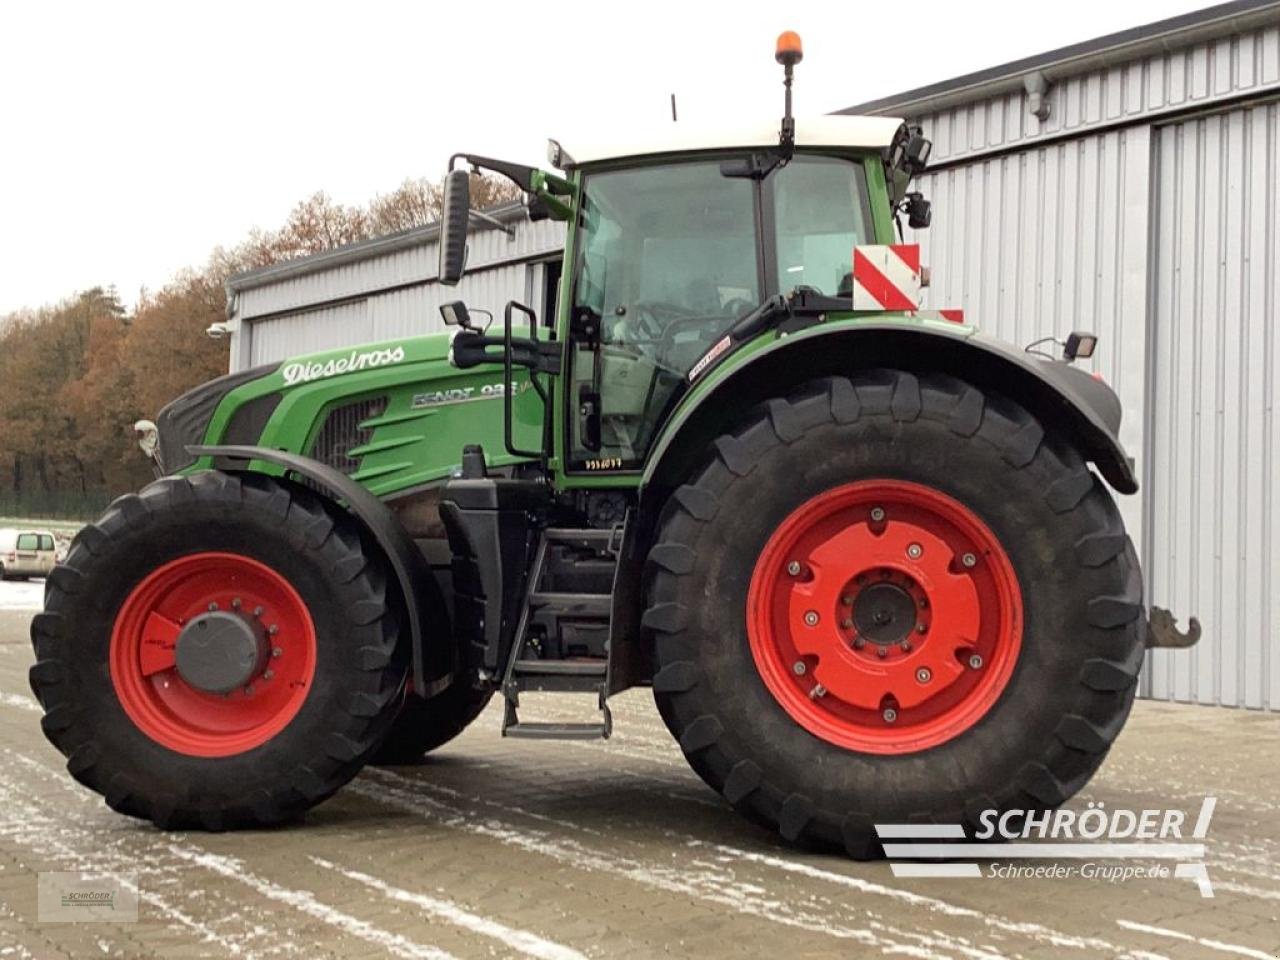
{"points": [[1083, 409], [423, 600]]}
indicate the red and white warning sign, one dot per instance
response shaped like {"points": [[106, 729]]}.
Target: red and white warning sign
{"points": [[886, 277]]}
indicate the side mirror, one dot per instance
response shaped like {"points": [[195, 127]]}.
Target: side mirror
{"points": [[453, 225], [919, 211]]}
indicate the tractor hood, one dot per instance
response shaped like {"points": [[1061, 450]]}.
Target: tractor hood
{"points": [[235, 408], [183, 421]]}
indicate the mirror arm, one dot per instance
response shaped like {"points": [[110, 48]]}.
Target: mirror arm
{"points": [[519, 174], [493, 221]]}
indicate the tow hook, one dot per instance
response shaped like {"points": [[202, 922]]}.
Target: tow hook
{"points": [[1162, 630]]}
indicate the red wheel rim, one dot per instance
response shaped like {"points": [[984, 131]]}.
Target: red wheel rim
{"points": [[884, 616], [143, 663]]}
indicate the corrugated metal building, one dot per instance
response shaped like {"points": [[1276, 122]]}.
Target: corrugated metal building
{"points": [[1143, 204], [1129, 185], [385, 288]]}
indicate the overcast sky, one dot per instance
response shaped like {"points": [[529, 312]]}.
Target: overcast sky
{"points": [[136, 137]]}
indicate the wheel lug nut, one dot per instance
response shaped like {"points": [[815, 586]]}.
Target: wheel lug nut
{"points": [[847, 600], [921, 628], [811, 618], [923, 675], [798, 668], [276, 652], [235, 604], [877, 514], [975, 661], [257, 611], [818, 691], [882, 652], [793, 568], [248, 688], [858, 643], [273, 630], [846, 623], [267, 674], [905, 645], [915, 551], [969, 560], [890, 715], [213, 607]]}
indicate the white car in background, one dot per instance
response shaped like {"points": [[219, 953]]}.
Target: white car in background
{"points": [[26, 553]]}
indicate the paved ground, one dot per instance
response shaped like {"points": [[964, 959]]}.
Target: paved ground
{"points": [[559, 850]]}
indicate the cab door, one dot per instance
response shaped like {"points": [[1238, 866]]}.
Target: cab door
{"points": [[666, 257]]}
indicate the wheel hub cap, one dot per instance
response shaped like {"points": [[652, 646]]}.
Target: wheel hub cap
{"points": [[884, 613], [868, 607], [218, 652], [212, 654]]}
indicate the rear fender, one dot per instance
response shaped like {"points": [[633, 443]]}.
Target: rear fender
{"points": [[1081, 408], [1084, 410]]}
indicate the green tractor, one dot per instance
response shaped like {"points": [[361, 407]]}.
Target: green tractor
{"points": [[866, 558]]}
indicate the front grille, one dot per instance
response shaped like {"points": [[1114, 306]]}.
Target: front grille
{"points": [[183, 421], [341, 433]]}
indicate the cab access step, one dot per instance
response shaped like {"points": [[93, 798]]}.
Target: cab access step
{"points": [[546, 631], [558, 622]]}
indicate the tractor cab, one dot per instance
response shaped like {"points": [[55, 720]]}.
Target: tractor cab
{"points": [[680, 253], [680, 249]]}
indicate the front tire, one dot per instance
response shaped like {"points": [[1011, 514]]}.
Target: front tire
{"points": [[893, 599], [138, 693]]}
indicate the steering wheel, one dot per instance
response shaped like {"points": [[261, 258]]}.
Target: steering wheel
{"points": [[653, 317]]}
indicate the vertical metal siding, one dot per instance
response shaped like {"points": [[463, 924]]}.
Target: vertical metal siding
{"points": [[1048, 240], [405, 312], [412, 265], [1215, 489], [1197, 75], [307, 332]]}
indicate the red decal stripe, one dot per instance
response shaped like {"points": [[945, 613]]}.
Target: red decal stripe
{"points": [[878, 285], [908, 253], [955, 316]]}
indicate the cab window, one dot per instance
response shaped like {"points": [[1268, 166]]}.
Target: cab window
{"points": [[666, 262], [822, 213], [46, 542], [27, 541]]}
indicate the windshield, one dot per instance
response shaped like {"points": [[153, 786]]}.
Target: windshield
{"points": [[667, 260]]}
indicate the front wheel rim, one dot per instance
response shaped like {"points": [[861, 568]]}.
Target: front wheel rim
{"points": [[144, 668], [884, 616]]}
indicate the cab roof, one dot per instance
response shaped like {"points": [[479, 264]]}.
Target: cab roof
{"points": [[820, 131]]}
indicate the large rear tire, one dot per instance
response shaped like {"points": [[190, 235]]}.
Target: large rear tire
{"points": [[425, 725], [134, 663], [893, 599]]}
